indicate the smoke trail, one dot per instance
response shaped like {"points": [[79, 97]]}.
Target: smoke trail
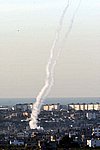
{"points": [[50, 67], [62, 45], [72, 21], [49, 75], [69, 29]]}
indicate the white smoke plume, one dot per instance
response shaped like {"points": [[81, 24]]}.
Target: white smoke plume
{"points": [[49, 70], [59, 49], [49, 75], [72, 20]]}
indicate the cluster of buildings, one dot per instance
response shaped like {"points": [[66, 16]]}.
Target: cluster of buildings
{"points": [[84, 106], [80, 122]]}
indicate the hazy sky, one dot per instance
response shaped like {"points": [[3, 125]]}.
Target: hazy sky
{"points": [[27, 31]]}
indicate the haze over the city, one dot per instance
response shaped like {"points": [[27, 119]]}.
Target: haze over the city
{"points": [[27, 31]]}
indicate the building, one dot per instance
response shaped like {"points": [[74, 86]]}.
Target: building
{"points": [[83, 106], [4, 108], [93, 143], [16, 142], [23, 107], [91, 115], [22, 135], [51, 107], [96, 131]]}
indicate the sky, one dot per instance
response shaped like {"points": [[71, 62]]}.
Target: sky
{"points": [[27, 31]]}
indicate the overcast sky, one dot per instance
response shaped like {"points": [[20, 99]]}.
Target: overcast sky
{"points": [[27, 31]]}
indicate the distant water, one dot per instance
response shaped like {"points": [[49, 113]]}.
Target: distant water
{"points": [[13, 101]]}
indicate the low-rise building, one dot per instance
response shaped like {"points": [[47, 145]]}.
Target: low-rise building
{"points": [[93, 143], [23, 107], [96, 131], [91, 115], [51, 107], [16, 142], [84, 106], [22, 135]]}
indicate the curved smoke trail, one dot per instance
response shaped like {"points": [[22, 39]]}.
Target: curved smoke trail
{"points": [[49, 72], [72, 21], [62, 44], [49, 76]]}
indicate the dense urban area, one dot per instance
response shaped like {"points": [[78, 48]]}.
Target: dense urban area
{"points": [[60, 127]]}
